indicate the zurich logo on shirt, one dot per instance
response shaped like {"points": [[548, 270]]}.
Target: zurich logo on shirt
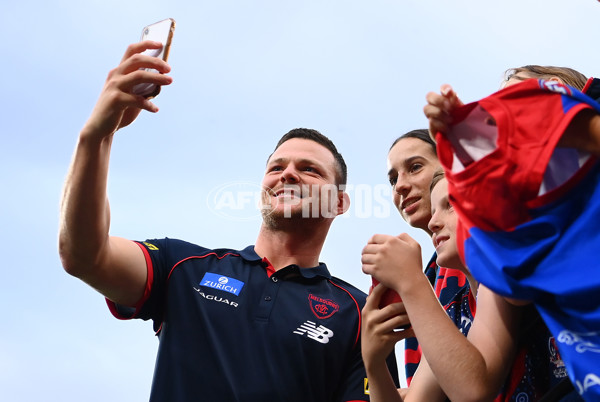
{"points": [[221, 282]]}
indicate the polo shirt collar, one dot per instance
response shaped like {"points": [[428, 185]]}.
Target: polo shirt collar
{"points": [[321, 270], [249, 254]]}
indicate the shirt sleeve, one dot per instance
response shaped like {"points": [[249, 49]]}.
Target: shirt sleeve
{"points": [[356, 385], [156, 253]]}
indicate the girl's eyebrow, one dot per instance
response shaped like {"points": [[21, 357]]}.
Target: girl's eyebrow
{"points": [[412, 158]]}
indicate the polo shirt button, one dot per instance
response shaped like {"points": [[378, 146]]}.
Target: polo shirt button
{"points": [[274, 279], [268, 298]]}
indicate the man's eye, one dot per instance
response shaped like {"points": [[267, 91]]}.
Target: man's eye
{"points": [[393, 181]]}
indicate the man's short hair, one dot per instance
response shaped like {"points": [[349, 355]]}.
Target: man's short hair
{"points": [[313, 135]]}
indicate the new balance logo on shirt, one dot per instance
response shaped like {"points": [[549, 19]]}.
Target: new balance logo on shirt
{"points": [[320, 334]]}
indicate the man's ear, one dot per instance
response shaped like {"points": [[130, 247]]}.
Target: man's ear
{"points": [[343, 202]]}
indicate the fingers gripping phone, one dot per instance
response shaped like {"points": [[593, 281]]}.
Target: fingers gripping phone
{"points": [[162, 32]]}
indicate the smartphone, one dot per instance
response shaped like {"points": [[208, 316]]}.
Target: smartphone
{"points": [[161, 31], [389, 296]]}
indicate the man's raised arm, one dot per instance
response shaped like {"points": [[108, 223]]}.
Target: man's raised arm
{"points": [[114, 266]]}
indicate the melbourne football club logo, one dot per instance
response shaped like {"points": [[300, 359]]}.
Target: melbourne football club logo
{"points": [[554, 86], [322, 308]]}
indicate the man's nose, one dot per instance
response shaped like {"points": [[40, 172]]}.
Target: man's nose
{"points": [[290, 175]]}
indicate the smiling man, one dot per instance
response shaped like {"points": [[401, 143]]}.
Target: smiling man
{"points": [[304, 178], [266, 323]]}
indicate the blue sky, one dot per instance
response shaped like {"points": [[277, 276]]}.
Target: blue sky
{"points": [[245, 72]]}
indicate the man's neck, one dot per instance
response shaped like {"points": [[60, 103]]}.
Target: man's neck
{"points": [[283, 248]]}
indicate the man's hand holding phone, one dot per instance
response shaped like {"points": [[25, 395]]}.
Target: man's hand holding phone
{"points": [[137, 79], [117, 105]]}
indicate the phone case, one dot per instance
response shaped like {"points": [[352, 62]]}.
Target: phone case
{"points": [[161, 31]]}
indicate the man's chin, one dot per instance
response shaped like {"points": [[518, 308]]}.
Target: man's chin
{"points": [[278, 221], [282, 213], [282, 217]]}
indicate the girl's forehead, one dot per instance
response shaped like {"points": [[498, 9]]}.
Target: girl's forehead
{"points": [[411, 145], [440, 190], [408, 149]]}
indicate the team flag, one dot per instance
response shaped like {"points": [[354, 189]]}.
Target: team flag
{"points": [[529, 212]]}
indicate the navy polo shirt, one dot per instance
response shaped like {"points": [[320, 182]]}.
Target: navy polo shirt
{"points": [[233, 329]]}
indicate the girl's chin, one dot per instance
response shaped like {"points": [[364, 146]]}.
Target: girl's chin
{"points": [[417, 220]]}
